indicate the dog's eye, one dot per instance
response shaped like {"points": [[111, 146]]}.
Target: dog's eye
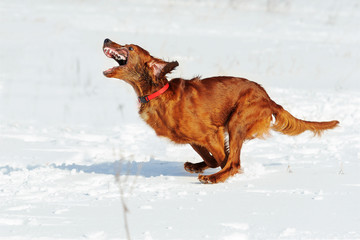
{"points": [[131, 48]]}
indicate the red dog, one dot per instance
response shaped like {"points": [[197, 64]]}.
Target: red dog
{"points": [[201, 111]]}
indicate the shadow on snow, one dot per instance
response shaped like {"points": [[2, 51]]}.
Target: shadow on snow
{"points": [[152, 168]]}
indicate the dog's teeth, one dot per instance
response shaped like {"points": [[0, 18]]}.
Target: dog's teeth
{"points": [[111, 53]]}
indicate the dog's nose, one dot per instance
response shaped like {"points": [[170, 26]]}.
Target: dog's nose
{"points": [[107, 40]]}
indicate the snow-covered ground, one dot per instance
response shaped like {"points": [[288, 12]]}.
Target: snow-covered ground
{"points": [[67, 132]]}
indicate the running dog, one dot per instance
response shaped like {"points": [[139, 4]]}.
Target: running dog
{"points": [[201, 111]]}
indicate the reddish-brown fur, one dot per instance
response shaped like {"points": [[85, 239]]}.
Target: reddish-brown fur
{"points": [[201, 111]]}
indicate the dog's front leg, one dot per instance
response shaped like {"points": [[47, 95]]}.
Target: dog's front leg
{"points": [[209, 160]]}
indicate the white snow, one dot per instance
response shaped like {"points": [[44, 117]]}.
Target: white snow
{"points": [[71, 139]]}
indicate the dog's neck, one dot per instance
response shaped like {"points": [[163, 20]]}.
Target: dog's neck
{"points": [[143, 82], [147, 83], [146, 86], [147, 98]]}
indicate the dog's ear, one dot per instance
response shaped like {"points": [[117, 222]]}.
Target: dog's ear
{"points": [[168, 68], [160, 68]]}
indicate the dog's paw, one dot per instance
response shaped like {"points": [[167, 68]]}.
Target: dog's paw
{"points": [[193, 167], [206, 179]]}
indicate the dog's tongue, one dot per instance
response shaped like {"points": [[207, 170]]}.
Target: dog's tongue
{"points": [[108, 71]]}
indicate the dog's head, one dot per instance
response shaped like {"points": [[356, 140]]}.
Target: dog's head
{"points": [[135, 64]]}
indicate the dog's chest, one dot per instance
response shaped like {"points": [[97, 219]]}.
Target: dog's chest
{"points": [[156, 121], [152, 118], [144, 115], [162, 125]]}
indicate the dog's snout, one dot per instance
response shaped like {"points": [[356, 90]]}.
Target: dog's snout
{"points": [[107, 40]]}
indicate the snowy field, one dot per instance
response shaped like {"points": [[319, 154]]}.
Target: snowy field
{"points": [[71, 140]]}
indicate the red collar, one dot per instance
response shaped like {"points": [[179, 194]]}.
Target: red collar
{"points": [[147, 98]]}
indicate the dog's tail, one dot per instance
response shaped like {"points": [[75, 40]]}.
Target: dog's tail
{"points": [[290, 125]]}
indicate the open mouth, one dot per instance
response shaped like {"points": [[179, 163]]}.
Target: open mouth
{"points": [[120, 56]]}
